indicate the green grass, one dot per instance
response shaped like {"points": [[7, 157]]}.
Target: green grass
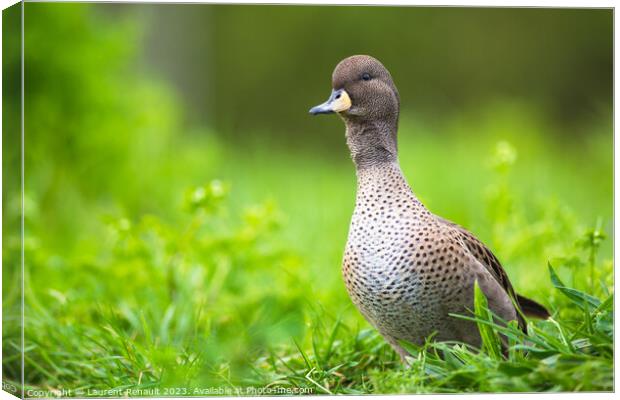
{"points": [[556, 355], [236, 283]]}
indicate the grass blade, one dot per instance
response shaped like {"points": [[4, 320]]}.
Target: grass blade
{"points": [[490, 339], [581, 299]]}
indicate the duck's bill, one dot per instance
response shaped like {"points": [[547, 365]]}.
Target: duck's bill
{"points": [[339, 101]]}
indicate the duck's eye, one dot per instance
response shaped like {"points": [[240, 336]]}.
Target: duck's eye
{"points": [[366, 76]]}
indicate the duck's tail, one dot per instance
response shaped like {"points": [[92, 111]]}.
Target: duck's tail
{"points": [[532, 309]]}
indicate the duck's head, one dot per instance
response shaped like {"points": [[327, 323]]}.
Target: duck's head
{"points": [[362, 90]]}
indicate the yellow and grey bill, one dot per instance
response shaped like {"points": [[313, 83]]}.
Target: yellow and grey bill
{"points": [[339, 101]]}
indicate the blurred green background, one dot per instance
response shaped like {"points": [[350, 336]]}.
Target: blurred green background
{"points": [[185, 214]]}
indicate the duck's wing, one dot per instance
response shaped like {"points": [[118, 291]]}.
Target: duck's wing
{"points": [[492, 264]]}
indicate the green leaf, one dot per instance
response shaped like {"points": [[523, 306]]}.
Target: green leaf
{"points": [[411, 348], [490, 339], [513, 370], [330, 342], [606, 305], [578, 297], [303, 355]]}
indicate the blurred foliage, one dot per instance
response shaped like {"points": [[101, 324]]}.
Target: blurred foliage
{"points": [[164, 249], [162, 303], [270, 64]]}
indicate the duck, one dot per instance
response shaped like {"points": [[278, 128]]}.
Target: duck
{"points": [[407, 270]]}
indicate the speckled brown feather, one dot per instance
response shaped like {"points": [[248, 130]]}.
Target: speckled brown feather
{"points": [[488, 259]]}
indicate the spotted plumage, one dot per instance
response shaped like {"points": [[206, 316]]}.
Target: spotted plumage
{"points": [[405, 268]]}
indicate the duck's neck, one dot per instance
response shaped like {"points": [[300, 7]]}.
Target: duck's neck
{"points": [[372, 143], [384, 177], [374, 151]]}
